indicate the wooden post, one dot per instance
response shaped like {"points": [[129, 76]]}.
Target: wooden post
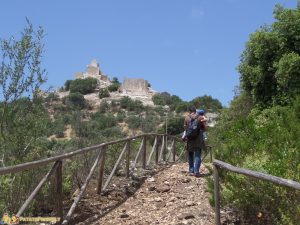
{"points": [[138, 153], [217, 196], [127, 159], [152, 151], [101, 171], [162, 149], [174, 149], [59, 198], [165, 148], [156, 152], [144, 152], [37, 189]]}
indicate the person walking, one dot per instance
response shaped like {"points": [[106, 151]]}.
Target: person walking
{"points": [[194, 139]]}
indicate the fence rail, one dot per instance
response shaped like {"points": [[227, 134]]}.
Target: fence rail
{"points": [[217, 164], [161, 154]]}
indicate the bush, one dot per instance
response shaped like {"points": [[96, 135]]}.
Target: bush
{"points": [[134, 122], [75, 100], [103, 93], [52, 97], [67, 85], [83, 86], [113, 87], [104, 106], [266, 141]]}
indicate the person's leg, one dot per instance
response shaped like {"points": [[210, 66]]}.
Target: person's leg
{"points": [[197, 161], [191, 161]]}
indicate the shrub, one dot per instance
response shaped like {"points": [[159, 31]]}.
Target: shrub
{"points": [[113, 87], [103, 93], [134, 122], [103, 106], [75, 100], [67, 85], [83, 86]]}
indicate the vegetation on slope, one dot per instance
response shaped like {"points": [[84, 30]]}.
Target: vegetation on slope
{"points": [[260, 130]]}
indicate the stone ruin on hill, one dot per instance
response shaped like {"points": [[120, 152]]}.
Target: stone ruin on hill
{"points": [[93, 70], [136, 86]]}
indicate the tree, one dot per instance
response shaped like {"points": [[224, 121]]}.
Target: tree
{"points": [[206, 102], [76, 100], [83, 86], [103, 93], [20, 72], [115, 85], [67, 85], [269, 65]]}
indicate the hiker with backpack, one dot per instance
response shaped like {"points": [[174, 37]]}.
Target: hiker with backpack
{"points": [[194, 138], [204, 120]]}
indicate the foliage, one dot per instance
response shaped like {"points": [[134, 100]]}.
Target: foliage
{"points": [[104, 106], [131, 105], [207, 103], [259, 131], [115, 85], [75, 100], [175, 125], [67, 85], [103, 93], [20, 72], [270, 63], [83, 86]]}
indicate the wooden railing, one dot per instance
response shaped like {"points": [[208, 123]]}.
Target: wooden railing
{"points": [[161, 154], [217, 164]]}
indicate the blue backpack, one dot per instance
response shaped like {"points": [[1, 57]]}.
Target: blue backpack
{"points": [[193, 129]]}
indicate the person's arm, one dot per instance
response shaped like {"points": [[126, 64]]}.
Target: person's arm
{"points": [[185, 123]]}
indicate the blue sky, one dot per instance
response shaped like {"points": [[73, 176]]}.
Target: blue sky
{"points": [[188, 48]]}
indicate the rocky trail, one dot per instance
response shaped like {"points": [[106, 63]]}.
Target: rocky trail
{"points": [[167, 196]]}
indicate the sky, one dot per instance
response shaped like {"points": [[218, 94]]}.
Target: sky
{"points": [[188, 48]]}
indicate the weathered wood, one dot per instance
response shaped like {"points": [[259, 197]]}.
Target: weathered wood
{"points": [[138, 153], [174, 150], [144, 152], [115, 167], [259, 175], [59, 191], [165, 149], [37, 189], [43, 162], [170, 150], [128, 159], [156, 151], [152, 151], [162, 148], [101, 170], [217, 196], [82, 190], [181, 153]]}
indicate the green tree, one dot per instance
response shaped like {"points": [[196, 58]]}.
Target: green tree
{"points": [[115, 85], [75, 100], [67, 85], [103, 93], [84, 86], [207, 102], [20, 72], [269, 65]]}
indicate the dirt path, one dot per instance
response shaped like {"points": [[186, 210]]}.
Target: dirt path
{"points": [[168, 197]]}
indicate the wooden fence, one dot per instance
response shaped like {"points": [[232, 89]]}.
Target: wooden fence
{"points": [[217, 164], [160, 154]]}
